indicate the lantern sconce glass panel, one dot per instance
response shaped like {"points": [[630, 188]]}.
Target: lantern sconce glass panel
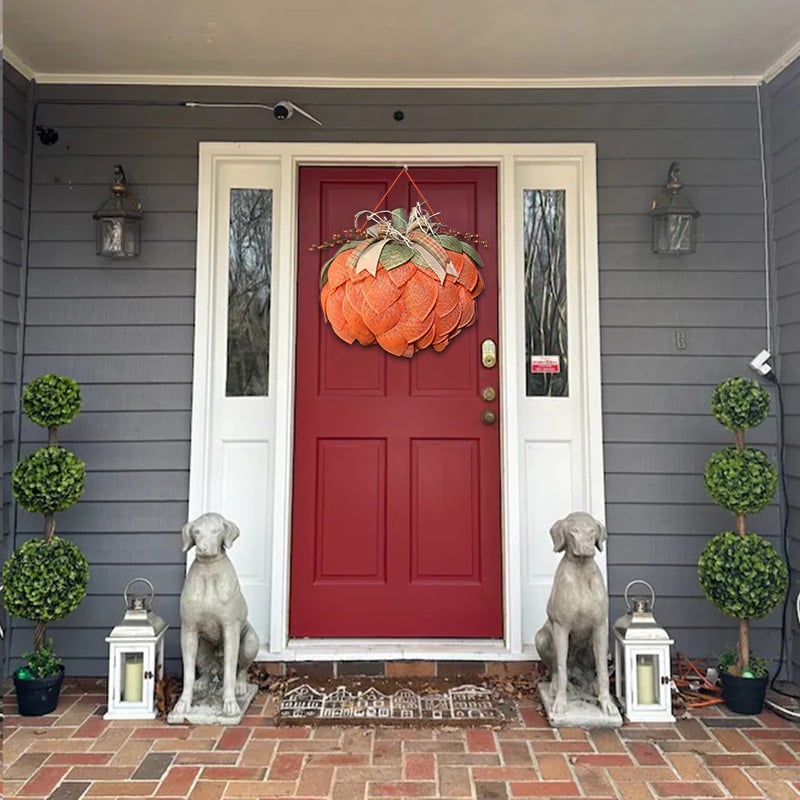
{"points": [[642, 664], [674, 218], [118, 221], [135, 658]]}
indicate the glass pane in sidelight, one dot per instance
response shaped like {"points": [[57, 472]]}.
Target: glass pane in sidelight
{"points": [[249, 289], [544, 248]]}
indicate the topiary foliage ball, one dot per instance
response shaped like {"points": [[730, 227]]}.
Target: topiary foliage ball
{"points": [[743, 576], [52, 400], [51, 479], [740, 403], [741, 481], [44, 580]]}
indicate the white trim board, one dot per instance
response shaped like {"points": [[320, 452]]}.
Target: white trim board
{"points": [[356, 82], [528, 561], [19, 65], [360, 82]]}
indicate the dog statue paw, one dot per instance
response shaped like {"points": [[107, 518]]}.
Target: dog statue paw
{"points": [[608, 706], [230, 707], [181, 707]]}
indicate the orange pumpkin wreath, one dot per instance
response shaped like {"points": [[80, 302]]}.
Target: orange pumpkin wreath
{"points": [[404, 287]]}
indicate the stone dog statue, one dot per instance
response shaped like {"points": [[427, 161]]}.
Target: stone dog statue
{"points": [[218, 644], [573, 642]]}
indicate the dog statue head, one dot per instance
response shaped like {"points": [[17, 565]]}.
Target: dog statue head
{"points": [[578, 533], [211, 533]]}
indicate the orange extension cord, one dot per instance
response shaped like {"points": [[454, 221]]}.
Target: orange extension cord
{"points": [[690, 679]]}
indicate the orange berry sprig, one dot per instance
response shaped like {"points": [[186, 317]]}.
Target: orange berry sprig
{"points": [[338, 239]]}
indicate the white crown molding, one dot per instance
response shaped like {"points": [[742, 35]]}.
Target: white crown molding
{"points": [[784, 61], [19, 65], [398, 83]]}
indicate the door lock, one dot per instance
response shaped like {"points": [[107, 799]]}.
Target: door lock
{"points": [[488, 393], [488, 353]]}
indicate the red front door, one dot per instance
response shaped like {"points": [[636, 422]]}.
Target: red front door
{"points": [[396, 507]]}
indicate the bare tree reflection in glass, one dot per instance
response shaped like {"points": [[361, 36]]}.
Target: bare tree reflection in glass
{"points": [[249, 289], [545, 289]]}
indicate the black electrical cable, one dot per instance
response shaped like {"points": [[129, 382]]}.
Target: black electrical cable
{"points": [[26, 232], [773, 378]]}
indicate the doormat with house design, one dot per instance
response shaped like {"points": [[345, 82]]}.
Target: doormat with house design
{"points": [[354, 704]]}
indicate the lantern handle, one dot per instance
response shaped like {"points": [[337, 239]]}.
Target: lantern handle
{"points": [[644, 583], [138, 580]]}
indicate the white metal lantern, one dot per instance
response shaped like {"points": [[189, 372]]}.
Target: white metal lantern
{"points": [[642, 664], [118, 221], [135, 658]]}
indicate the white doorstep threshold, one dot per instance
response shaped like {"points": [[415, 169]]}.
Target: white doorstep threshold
{"points": [[393, 649]]}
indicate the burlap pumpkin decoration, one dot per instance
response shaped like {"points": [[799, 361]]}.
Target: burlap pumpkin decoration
{"points": [[404, 287]]}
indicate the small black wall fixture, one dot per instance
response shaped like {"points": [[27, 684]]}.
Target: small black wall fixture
{"points": [[118, 221], [674, 218], [47, 136]]}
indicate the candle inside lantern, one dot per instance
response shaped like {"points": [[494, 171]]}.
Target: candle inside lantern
{"points": [[645, 680], [133, 679]]}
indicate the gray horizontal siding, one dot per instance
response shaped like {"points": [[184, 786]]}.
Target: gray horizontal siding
{"points": [[126, 333], [704, 341], [646, 425], [15, 91], [783, 103]]}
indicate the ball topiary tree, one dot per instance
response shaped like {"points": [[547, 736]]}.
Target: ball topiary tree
{"points": [[741, 572], [45, 579]]}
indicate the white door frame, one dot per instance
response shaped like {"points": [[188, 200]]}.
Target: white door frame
{"points": [[585, 491]]}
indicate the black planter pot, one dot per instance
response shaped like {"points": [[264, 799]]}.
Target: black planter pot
{"points": [[38, 696], [744, 695]]}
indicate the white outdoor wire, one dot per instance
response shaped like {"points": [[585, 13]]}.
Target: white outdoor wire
{"points": [[288, 103], [764, 197]]}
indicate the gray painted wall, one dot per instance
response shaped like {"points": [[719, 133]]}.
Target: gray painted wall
{"points": [[125, 330], [15, 125], [783, 102]]}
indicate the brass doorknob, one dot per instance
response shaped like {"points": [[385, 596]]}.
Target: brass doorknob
{"points": [[488, 417], [488, 393]]}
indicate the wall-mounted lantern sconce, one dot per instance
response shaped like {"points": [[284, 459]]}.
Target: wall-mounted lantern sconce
{"points": [[118, 221], [674, 219]]}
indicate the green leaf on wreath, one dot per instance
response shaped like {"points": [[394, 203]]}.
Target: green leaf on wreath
{"points": [[469, 250], [323, 275], [448, 242], [399, 219], [395, 255]]}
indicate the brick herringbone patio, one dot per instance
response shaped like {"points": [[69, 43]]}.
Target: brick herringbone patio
{"points": [[76, 754]]}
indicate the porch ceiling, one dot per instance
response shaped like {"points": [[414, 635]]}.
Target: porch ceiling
{"points": [[416, 42]]}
